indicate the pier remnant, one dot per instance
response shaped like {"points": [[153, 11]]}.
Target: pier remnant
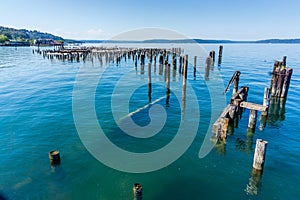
{"points": [[235, 78], [252, 120], [259, 154], [212, 54], [195, 65], [220, 127], [253, 113], [266, 101], [281, 77], [137, 191], [54, 157], [220, 55], [185, 68]]}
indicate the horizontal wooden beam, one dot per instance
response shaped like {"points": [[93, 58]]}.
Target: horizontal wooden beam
{"points": [[253, 106]]}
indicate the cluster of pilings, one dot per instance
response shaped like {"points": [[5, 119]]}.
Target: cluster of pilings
{"points": [[281, 77], [279, 87], [280, 82]]}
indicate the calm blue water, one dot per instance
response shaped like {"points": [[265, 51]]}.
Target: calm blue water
{"points": [[36, 117]]}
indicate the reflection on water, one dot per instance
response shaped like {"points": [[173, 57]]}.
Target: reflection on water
{"points": [[220, 147], [245, 145], [276, 111], [254, 183]]}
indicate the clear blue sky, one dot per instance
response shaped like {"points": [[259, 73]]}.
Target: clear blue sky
{"points": [[208, 19]]}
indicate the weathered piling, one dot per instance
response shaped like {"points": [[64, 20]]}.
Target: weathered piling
{"points": [[135, 61], [264, 114], [230, 113], [183, 100], [235, 78], [168, 91], [266, 101], [253, 113], [252, 120], [281, 77], [174, 61], [161, 59], [149, 83], [212, 54], [195, 65], [143, 59], [180, 64], [208, 62], [54, 157], [165, 70], [286, 82], [284, 61], [259, 154], [185, 68], [236, 82], [206, 75], [137, 191], [220, 55]]}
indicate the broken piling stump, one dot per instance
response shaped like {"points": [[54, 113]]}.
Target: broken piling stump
{"points": [[259, 154]]}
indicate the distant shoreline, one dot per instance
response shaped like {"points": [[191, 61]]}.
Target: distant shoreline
{"points": [[200, 41], [183, 41]]}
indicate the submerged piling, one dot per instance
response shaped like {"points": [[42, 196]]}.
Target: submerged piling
{"points": [[137, 191], [54, 157]]}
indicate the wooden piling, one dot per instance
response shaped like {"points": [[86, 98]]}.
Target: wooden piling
{"points": [[165, 70], [252, 120], [168, 91], [286, 82], [284, 61], [212, 55], [236, 83], [135, 61], [195, 65], [220, 55], [274, 79], [225, 124], [232, 112], [260, 154], [149, 83], [143, 59], [280, 80], [54, 157], [266, 100], [208, 62], [137, 191], [161, 60], [180, 65], [206, 75], [185, 68], [174, 63]]}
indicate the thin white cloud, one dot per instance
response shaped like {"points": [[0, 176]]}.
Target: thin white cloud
{"points": [[90, 34], [95, 32]]}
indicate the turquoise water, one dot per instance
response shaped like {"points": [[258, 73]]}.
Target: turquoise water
{"points": [[36, 117]]}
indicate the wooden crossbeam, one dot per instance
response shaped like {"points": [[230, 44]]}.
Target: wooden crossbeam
{"points": [[253, 106]]}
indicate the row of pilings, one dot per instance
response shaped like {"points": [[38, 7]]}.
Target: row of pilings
{"points": [[112, 54], [167, 60]]}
